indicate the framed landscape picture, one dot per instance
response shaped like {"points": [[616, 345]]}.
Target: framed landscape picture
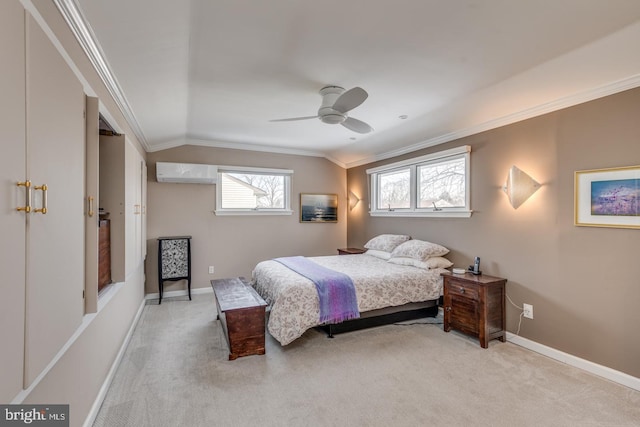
{"points": [[608, 197], [318, 208]]}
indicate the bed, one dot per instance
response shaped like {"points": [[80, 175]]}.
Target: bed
{"points": [[381, 287]]}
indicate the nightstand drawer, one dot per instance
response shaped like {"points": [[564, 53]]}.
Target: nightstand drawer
{"points": [[463, 289]]}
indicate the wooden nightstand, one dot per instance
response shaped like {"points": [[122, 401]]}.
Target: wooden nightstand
{"points": [[350, 251], [475, 305]]}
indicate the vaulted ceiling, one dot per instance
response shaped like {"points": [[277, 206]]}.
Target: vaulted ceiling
{"points": [[216, 72]]}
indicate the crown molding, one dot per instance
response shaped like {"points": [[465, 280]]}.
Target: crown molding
{"points": [[85, 36], [528, 113], [241, 146], [535, 111], [263, 148]]}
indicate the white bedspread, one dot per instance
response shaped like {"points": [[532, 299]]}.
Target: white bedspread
{"points": [[294, 300]]}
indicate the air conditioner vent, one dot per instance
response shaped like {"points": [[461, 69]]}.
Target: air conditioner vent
{"points": [[186, 173]]}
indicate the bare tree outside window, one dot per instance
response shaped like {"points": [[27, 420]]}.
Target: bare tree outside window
{"points": [[266, 191], [442, 184], [433, 185], [395, 190]]}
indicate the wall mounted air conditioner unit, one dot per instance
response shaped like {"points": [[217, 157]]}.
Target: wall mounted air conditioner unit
{"points": [[186, 173]]}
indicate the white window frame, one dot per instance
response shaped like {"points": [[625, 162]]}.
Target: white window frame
{"points": [[413, 164], [286, 210]]}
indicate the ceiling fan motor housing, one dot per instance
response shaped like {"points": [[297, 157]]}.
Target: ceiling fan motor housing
{"points": [[327, 114]]}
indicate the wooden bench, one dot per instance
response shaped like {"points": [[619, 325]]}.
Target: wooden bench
{"points": [[242, 314]]}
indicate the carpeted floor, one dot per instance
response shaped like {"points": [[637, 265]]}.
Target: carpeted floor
{"points": [[176, 373]]}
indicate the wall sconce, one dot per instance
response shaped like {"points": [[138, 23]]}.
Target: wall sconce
{"points": [[519, 187], [353, 200]]}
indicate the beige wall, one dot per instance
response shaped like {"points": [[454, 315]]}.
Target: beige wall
{"points": [[581, 280], [234, 244]]}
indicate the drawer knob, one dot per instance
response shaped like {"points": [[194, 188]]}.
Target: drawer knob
{"points": [[448, 308], [462, 290]]}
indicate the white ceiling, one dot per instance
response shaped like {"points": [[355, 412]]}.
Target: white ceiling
{"points": [[215, 72]]}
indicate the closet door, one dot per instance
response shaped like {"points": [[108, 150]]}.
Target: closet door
{"points": [[12, 222], [55, 239], [144, 210], [135, 170], [140, 244], [133, 208], [92, 149]]}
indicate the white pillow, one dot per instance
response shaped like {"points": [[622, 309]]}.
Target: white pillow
{"points": [[379, 254], [419, 250], [438, 262], [431, 263], [386, 242]]}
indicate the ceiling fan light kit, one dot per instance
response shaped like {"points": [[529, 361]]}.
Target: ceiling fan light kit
{"points": [[332, 119], [336, 102]]}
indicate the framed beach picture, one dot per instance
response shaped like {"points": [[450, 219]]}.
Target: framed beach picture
{"points": [[608, 197], [318, 208]]}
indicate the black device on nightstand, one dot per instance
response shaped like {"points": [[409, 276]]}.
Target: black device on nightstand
{"points": [[475, 268]]}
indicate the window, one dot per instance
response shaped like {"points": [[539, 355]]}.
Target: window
{"points": [[395, 189], [253, 191], [442, 183], [433, 185]]}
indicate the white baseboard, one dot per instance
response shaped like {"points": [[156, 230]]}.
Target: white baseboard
{"points": [[95, 408], [196, 291], [599, 370]]}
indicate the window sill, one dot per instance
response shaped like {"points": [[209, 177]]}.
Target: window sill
{"points": [[230, 212], [430, 214], [106, 294]]}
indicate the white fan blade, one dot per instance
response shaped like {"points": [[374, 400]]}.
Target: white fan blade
{"points": [[293, 119], [350, 99], [357, 125]]}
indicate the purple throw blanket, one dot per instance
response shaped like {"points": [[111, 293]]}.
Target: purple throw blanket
{"points": [[335, 290]]}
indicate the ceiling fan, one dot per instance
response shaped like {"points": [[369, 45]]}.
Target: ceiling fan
{"points": [[336, 103]]}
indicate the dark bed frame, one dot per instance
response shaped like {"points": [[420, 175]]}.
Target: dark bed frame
{"points": [[371, 319]]}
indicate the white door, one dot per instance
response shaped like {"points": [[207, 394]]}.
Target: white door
{"points": [[12, 222], [92, 141], [144, 210], [133, 208], [55, 239]]}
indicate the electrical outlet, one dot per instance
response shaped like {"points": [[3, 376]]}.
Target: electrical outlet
{"points": [[211, 269], [527, 310]]}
